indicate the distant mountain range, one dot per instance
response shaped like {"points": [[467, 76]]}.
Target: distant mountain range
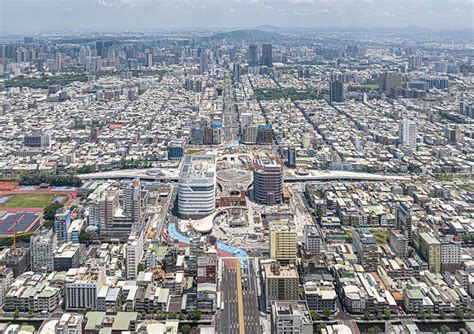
{"points": [[248, 35]]}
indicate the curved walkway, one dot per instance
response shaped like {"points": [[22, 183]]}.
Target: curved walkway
{"points": [[225, 250]]}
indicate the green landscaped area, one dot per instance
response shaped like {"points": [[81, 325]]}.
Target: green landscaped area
{"points": [[381, 236], [194, 151], [30, 200], [269, 94]]}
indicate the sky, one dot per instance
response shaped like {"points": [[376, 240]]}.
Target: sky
{"points": [[139, 15]]}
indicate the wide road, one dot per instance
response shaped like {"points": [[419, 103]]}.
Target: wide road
{"points": [[230, 117], [240, 312], [228, 318], [251, 312]]}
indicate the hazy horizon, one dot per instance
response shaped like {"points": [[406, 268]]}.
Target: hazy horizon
{"points": [[148, 15]]}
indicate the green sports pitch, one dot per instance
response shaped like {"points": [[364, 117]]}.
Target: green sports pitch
{"points": [[30, 200]]}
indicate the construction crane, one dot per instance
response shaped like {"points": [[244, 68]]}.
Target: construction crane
{"points": [[14, 236]]}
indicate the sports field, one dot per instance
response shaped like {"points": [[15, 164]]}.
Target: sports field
{"points": [[30, 200]]}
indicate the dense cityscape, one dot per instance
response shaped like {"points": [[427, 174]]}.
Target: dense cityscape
{"points": [[262, 180]]}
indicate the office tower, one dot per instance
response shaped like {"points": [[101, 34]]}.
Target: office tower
{"points": [[82, 55], [267, 57], [102, 208], [264, 135], [132, 200], [134, 253], [291, 157], [42, 247], [62, 222], [149, 59], [40, 65], [236, 73], [99, 46], [252, 57], [18, 260], [407, 133], [399, 243], [404, 221], [312, 240], [81, 293], [306, 141], [430, 249], [291, 317], [59, 62], [188, 84], [197, 186], [249, 135], [336, 91], [466, 108], [453, 134], [441, 67], [204, 61], [67, 256], [366, 247], [281, 283], [6, 279], [387, 81], [207, 135], [268, 180], [197, 135], [37, 139], [94, 135], [198, 86], [216, 134], [451, 247], [178, 54], [107, 46], [415, 61], [245, 119], [175, 150], [111, 53], [283, 245]]}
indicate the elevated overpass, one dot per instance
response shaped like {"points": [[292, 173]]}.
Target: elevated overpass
{"points": [[171, 174]]}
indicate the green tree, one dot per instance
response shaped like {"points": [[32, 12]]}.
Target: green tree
{"points": [[326, 313], [171, 315], [387, 314], [16, 314], [161, 315], [367, 315], [320, 327], [182, 316], [444, 329], [379, 315], [374, 329], [50, 211], [459, 314], [30, 312], [140, 267], [315, 315], [319, 214], [434, 331], [195, 315], [84, 237], [186, 329]]}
